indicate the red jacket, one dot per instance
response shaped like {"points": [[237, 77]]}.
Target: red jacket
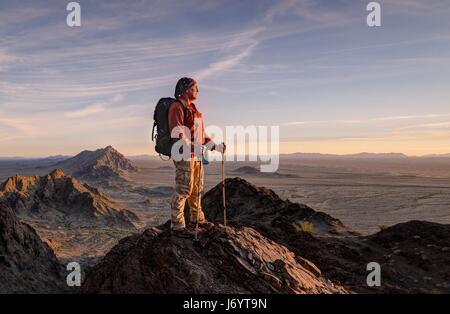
{"points": [[177, 119]]}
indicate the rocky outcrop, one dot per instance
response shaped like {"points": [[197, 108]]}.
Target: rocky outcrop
{"points": [[57, 197], [252, 171], [414, 256], [27, 265], [224, 260], [247, 170], [417, 253], [249, 205], [101, 164]]}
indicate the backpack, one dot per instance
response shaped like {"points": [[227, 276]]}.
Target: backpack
{"points": [[162, 137]]}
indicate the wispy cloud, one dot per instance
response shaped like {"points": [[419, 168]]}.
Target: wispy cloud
{"points": [[94, 120], [230, 61], [296, 123], [321, 122], [415, 6], [16, 126], [274, 93], [96, 108], [410, 117], [429, 126], [88, 111], [389, 129], [264, 31], [7, 60], [120, 67], [309, 10], [376, 119], [118, 98]]}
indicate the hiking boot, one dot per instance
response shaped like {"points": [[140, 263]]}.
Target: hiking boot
{"points": [[183, 233]]}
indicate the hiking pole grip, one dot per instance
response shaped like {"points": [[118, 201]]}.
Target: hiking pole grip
{"points": [[223, 191]]}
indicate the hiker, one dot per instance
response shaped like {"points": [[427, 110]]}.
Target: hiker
{"points": [[189, 171]]}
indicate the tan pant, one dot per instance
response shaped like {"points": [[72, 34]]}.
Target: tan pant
{"points": [[187, 189]]}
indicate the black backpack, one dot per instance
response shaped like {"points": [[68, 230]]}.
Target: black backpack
{"points": [[162, 137]]}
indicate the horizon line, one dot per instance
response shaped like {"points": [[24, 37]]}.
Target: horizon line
{"points": [[281, 154]]}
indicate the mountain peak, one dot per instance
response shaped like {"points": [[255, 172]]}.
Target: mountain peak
{"points": [[110, 149], [57, 174], [226, 259], [255, 206], [17, 183], [337, 250], [58, 197], [103, 163]]}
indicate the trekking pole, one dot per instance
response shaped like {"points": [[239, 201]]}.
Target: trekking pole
{"points": [[223, 191], [199, 196]]}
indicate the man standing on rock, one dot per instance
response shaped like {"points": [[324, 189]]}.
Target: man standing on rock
{"points": [[186, 124]]}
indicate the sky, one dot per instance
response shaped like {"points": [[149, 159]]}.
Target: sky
{"points": [[314, 68]]}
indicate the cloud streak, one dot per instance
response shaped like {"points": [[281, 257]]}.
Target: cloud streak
{"points": [[225, 64], [372, 120], [410, 117], [88, 111]]}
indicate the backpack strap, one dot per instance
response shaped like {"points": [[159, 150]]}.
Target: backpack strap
{"points": [[185, 110], [153, 131]]}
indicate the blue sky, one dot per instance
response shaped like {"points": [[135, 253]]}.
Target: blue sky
{"points": [[314, 68]]}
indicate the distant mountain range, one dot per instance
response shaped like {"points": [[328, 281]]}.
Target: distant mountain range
{"points": [[142, 157], [299, 154], [18, 158], [437, 155], [362, 155]]}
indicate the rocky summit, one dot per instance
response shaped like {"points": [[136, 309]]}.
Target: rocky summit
{"points": [[59, 198], [249, 205], [413, 256], [101, 164], [27, 265], [223, 260]]}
